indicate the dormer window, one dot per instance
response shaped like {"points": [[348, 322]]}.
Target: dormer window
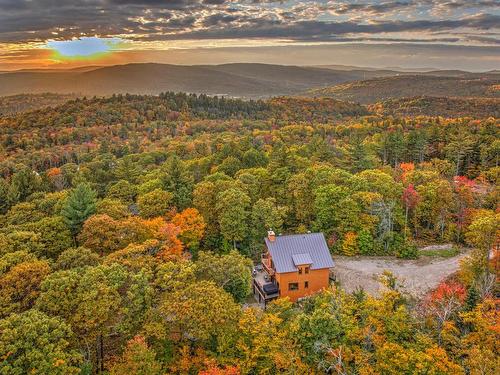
{"points": [[306, 270], [300, 270]]}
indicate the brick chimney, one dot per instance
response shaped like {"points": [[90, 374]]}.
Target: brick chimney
{"points": [[271, 236]]}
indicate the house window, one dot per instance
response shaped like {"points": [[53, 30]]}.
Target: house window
{"points": [[300, 270], [306, 284], [306, 270], [293, 286]]}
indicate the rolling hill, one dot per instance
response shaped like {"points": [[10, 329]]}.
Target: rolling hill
{"points": [[237, 80], [402, 86], [27, 102], [450, 107]]}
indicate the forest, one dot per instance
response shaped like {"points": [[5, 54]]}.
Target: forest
{"points": [[129, 226]]}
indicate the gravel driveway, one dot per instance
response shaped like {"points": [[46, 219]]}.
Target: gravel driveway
{"points": [[416, 276]]}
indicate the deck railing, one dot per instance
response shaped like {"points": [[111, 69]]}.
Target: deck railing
{"points": [[266, 263]]}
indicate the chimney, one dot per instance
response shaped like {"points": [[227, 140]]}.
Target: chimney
{"points": [[271, 236]]}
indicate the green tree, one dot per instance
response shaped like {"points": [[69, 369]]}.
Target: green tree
{"points": [[231, 271], [95, 301], [177, 180], [55, 237], [114, 208], [4, 196], [266, 214], [127, 170], [23, 183], [230, 166], [33, 343], [155, 203], [326, 205], [365, 242], [124, 191], [232, 208], [76, 258], [80, 204], [254, 158]]}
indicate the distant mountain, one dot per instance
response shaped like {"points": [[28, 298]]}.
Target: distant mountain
{"points": [[237, 80], [402, 86], [249, 80], [451, 107]]}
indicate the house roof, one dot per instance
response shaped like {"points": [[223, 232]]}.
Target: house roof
{"points": [[310, 248], [301, 259]]}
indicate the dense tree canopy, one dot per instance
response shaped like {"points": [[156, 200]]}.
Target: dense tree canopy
{"points": [[129, 226]]}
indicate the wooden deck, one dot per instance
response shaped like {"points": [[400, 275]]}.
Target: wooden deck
{"points": [[261, 278]]}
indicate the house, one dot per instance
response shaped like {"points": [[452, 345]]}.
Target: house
{"points": [[293, 266]]}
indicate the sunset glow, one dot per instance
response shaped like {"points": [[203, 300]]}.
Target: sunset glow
{"points": [[40, 33], [86, 48]]}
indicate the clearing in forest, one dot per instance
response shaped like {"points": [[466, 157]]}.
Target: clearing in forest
{"points": [[416, 276]]}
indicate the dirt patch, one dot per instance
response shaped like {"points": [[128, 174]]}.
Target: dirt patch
{"points": [[416, 276]]}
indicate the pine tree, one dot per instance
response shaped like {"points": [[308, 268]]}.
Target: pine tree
{"points": [[78, 207], [178, 181], [4, 191], [471, 299]]}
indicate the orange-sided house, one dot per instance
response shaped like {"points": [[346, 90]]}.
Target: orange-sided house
{"points": [[293, 266]]}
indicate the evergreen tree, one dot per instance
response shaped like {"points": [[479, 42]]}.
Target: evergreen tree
{"points": [[472, 299], [178, 181], [4, 194], [81, 204]]}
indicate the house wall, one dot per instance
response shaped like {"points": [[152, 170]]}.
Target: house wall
{"points": [[318, 279]]}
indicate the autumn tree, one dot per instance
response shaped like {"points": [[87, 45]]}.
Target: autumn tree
{"points": [[20, 286], [444, 302], [155, 203], [123, 191], [410, 201], [33, 342], [114, 208], [192, 227], [76, 258], [137, 359], [183, 306], [484, 231]]}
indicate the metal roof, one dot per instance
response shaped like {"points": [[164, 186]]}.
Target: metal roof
{"points": [[283, 249], [301, 259]]}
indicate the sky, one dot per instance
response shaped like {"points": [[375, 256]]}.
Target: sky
{"points": [[443, 34]]}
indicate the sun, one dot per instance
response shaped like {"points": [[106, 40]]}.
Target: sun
{"points": [[84, 48]]}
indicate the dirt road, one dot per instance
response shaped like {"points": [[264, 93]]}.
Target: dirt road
{"points": [[416, 276]]}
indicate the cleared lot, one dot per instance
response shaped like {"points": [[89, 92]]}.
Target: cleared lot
{"points": [[417, 276]]}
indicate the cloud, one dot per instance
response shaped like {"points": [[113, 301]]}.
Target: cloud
{"points": [[23, 21]]}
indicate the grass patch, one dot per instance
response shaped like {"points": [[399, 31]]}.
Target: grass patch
{"points": [[446, 253]]}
